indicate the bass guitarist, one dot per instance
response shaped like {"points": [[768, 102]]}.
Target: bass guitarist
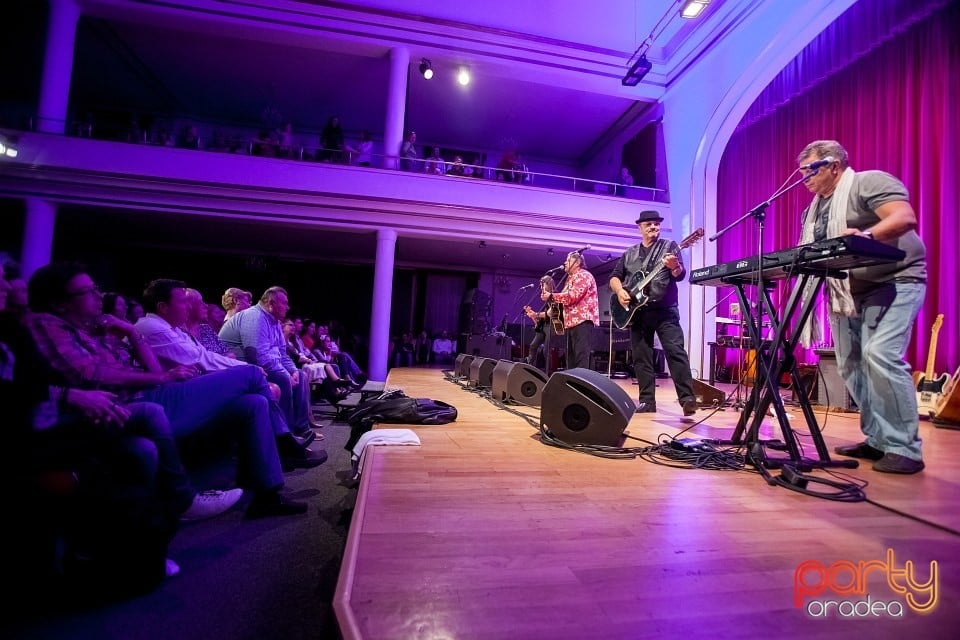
{"points": [[541, 326], [659, 316]]}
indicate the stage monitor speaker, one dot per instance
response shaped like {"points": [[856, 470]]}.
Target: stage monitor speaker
{"points": [[707, 395], [481, 372], [518, 382], [461, 367], [581, 406]]}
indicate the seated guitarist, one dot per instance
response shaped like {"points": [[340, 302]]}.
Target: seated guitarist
{"points": [[581, 310], [659, 316]]}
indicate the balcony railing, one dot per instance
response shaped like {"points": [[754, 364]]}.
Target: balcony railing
{"points": [[519, 174]]}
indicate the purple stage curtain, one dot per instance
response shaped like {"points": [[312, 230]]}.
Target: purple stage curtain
{"points": [[894, 108]]}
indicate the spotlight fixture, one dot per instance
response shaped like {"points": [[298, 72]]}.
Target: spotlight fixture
{"points": [[693, 8], [636, 73], [7, 149], [463, 76], [550, 251], [483, 244], [426, 68]]}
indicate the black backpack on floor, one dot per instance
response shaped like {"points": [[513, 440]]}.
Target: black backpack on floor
{"points": [[397, 407]]}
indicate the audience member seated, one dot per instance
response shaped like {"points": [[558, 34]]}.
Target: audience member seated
{"points": [[506, 168], [404, 352], [435, 164], [285, 138], [134, 310], [330, 385], [331, 141], [266, 145], [408, 153], [235, 300], [67, 327], [200, 329], [364, 150], [457, 168], [327, 349], [215, 316], [424, 346], [443, 348], [190, 138], [115, 304], [255, 335], [624, 180], [167, 311]]}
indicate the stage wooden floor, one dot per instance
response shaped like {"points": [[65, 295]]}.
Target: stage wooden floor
{"points": [[485, 532]]}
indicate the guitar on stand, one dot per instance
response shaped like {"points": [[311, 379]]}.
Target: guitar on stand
{"points": [[930, 389], [638, 285]]}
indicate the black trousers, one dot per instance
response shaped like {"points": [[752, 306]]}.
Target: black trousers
{"points": [[579, 342], [533, 357], [665, 323]]}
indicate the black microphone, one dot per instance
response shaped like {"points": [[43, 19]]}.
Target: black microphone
{"points": [[582, 249], [527, 286], [813, 166], [560, 268]]}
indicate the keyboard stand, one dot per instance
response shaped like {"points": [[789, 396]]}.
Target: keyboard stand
{"points": [[773, 361]]}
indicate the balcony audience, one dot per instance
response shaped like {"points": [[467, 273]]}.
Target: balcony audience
{"points": [[332, 141], [408, 153]]}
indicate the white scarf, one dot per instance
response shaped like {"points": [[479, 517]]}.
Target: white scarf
{"points": [[838, 291]]}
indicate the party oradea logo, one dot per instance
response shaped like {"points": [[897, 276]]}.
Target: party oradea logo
{"points": [[865, 589]]}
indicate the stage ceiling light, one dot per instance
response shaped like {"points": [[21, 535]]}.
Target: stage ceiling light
{"points": [[463, 76], [636, 73], [693, 8], [426, 68]]}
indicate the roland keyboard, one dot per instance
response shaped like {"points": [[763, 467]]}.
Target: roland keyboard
{"points": [[831, 255]]}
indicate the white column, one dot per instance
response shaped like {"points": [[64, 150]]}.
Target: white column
{"points": [[37, 235], [57, 66], [380, 309], [396, 105]]}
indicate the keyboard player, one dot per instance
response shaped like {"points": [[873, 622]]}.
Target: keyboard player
{"points": [[873, 310]]}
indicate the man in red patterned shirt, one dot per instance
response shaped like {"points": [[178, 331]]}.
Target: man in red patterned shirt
{"points": [[581, 310]]}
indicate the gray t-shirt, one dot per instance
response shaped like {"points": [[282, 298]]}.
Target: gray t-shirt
{"points": [[870, 190]]}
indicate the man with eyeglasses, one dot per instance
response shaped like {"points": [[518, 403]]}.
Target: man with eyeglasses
{"points": [[872, 311], [66, 319]]}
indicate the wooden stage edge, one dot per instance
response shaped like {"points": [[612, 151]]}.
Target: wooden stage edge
{"points": [[483, 531]]}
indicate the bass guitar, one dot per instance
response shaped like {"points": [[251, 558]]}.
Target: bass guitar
{"points": [[930, 388], [638, 285]]}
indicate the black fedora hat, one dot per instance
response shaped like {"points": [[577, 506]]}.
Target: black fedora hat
{"points": [[649, 216]]}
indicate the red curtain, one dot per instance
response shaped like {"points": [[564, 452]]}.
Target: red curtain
{"points": [[893, 108]]}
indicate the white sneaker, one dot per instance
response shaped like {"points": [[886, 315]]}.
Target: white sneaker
{"points": [[208, 504], [171, 568]]}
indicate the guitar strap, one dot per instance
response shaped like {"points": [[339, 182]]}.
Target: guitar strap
{"points": [[655, 254]]}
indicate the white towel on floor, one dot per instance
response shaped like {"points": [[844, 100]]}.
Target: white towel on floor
{"points": [[378, 437]]}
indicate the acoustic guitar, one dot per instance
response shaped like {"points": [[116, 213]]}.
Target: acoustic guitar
{"points": [[638, 285], [930, 387]]}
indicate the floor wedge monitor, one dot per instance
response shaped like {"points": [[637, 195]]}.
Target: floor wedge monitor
{"points": [[581, 406], [707, 395], [481, 372], [461, 368], [518, 382]]}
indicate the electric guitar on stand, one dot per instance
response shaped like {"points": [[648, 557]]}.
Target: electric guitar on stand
{"points": [[930, 388], [638, 286]]}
